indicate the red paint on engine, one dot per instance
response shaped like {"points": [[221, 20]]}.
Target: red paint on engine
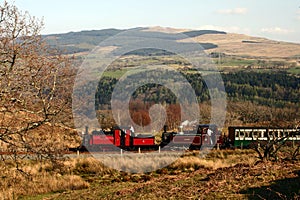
{"points": [[117, 135], [127, 138], [143, 141], [102, 139]]}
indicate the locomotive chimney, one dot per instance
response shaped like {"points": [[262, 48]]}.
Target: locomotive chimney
{"points": [[165, 128]]}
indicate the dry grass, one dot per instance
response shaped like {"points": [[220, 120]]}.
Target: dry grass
{"points": [[183, 180], [18, 185], [214, 160], [139, 163], [37, 178], [234, 174], [233, 44]]}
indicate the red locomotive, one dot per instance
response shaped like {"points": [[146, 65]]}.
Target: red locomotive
{"points": [[125, 138], [204, 135]]}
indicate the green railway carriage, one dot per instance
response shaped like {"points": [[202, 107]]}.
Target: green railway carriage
{"points": [[241, 136]]}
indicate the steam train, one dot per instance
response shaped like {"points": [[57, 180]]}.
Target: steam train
{"points": [[203, 135], [125, 138]]}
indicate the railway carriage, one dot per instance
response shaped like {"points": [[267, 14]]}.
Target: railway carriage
{"points": [[242, 136]]}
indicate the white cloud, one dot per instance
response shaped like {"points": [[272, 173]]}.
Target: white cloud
{"points": [[234, 11], [276, 30]]}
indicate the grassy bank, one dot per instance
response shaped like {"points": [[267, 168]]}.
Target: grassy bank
{"points": [[230, 174]]}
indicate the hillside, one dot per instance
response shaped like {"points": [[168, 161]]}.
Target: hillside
{"points": [[84, 41], [243, 45], [214, 41]]}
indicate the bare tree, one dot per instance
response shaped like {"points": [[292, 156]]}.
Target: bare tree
{"points": [[35, 90], [296, 151], [269, 149]]}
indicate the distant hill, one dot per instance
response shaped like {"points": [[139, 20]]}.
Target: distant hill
{"points": [[211, 40], [249, 46], [75, 42]]}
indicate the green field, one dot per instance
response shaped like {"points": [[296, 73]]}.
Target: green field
{"points": [[234, 62], [294, 70], [115, 73]]}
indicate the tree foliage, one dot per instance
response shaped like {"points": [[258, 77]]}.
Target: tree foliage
{"points": [[254, 97], [271, 89], [34, 88]]}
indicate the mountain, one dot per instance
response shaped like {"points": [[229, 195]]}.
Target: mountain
{"points": [[211, 40], [84, 41]]}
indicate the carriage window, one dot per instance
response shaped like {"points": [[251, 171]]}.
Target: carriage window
{"points": [[286, 134], [247, 133], [271, 134], [242, 134], [265, 134], [237, 134], [251, 134], [293, 133], [255, 134]]}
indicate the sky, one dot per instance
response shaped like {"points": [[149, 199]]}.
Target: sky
{"points": [[274, 19]]}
